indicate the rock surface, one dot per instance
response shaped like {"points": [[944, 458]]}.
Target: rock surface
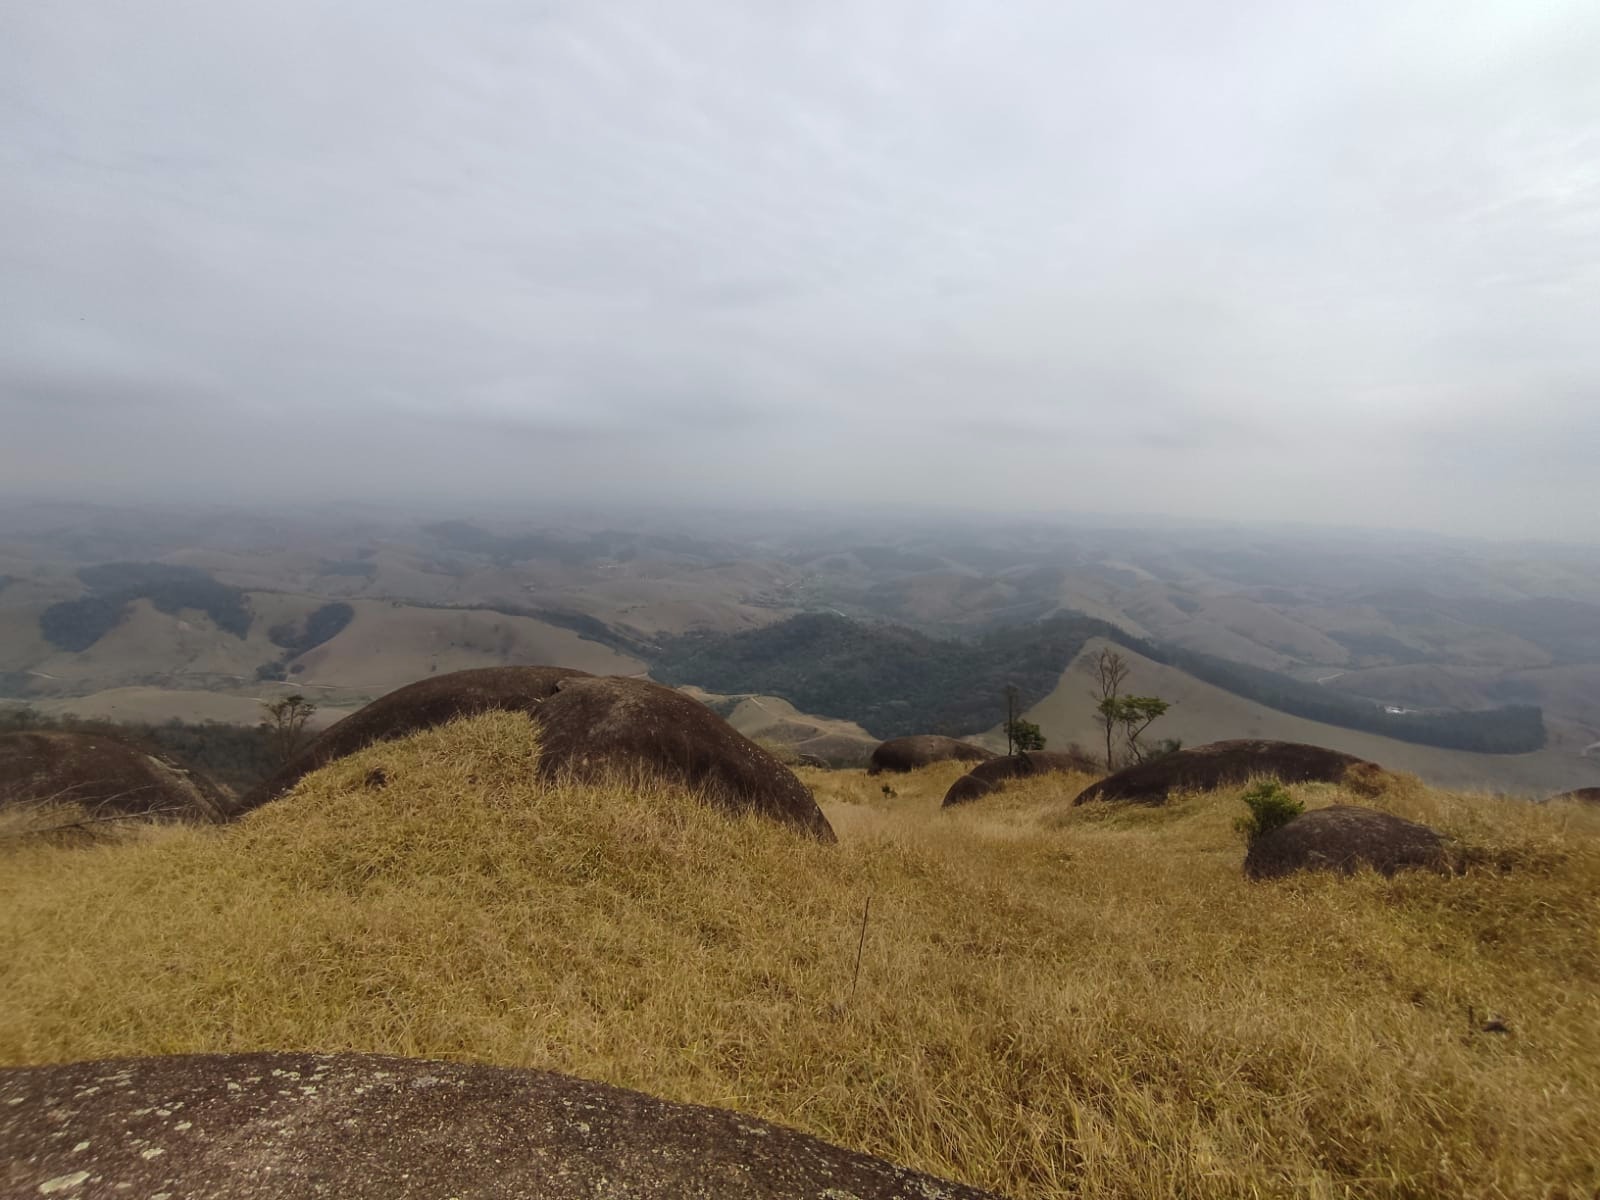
{"points": [[595, 725], [418, 706], [909, 753], [1346, 838], [104, 775], [359, 1127], [1589, 795], [1223, 764], [589, 725], [991, 776]]}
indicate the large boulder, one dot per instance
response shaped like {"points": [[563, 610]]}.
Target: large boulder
{"points": [[363, 1127], [909, 753], [1588, 795], [106, 776], [1224, 764], [437, 700], [1346, 838], [596, 726], [588, 726], [992, 775]]}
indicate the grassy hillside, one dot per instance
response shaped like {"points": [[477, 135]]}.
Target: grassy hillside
{"points": [[888, 679], [788, 732], [388, 645], [894, 681], [1051, 1002], [1203, 713]]}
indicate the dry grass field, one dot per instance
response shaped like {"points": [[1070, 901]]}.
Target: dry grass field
{"points": [[1051, 1001]]}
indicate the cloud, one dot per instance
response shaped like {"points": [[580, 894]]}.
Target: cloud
{"points": [[992, 255]]}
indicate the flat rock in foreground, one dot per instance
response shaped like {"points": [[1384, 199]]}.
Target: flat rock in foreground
{"points": [[1346, 838], [360, 1127], [921, 750], [1224, 764]]}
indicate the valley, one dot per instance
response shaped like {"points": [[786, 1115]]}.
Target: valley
{"points": [[234, 609]]}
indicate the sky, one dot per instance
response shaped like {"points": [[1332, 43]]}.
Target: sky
{"points": [[1331, 263]]}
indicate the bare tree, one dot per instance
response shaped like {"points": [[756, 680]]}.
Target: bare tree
{"points": [[1111, 670], [287, 719]]}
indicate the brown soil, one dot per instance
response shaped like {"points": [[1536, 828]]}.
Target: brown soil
{"points": [[362, 1127], [1346, 838], [991, 776], [1223, 764], [595, 726], [910, 753], [104, 775], [418, 706]]}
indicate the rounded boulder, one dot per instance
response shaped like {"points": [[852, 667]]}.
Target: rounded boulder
{"points": [[417, 706], [921, 750], [1346, 838], [992, 775], [104, 775], [366, 1127], [1224, 764], [1586, 795], [599, 725]]}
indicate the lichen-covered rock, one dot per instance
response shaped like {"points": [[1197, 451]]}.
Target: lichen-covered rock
{"points": [[362, 1127], [1346, 838]]}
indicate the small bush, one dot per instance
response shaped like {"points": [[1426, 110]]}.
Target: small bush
{"points": [[1271, 807]]}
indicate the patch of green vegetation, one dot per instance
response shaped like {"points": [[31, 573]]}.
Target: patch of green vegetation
{"points": [[327, 622], [1379, 645], [1517, 729], [76, 625], [895, 681], [891, 680], [1271, 807]]}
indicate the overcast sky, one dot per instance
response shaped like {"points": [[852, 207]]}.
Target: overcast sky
{"points": [[1306, 261]]}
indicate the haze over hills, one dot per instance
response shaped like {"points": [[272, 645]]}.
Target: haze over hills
{"points": [[346, 606]]}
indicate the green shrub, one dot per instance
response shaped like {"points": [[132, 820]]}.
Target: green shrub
{"points": [[1271, 807]]}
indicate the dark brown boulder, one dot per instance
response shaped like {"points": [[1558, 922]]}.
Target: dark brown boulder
{"points": [[1223, 764], [992, 775], [363, 1127], [909, 753], [1346, 838], [418, 706], [594, 726], [104, 775], [1588, 795]]}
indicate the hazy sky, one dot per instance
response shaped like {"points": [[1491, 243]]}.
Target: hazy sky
{"points": [[1307, 261]]}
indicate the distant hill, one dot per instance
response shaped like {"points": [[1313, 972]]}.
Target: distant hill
{"points": [[895, 681]]}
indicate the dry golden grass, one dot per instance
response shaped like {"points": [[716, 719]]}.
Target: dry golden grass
{"points": [[1052, 1002]]}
